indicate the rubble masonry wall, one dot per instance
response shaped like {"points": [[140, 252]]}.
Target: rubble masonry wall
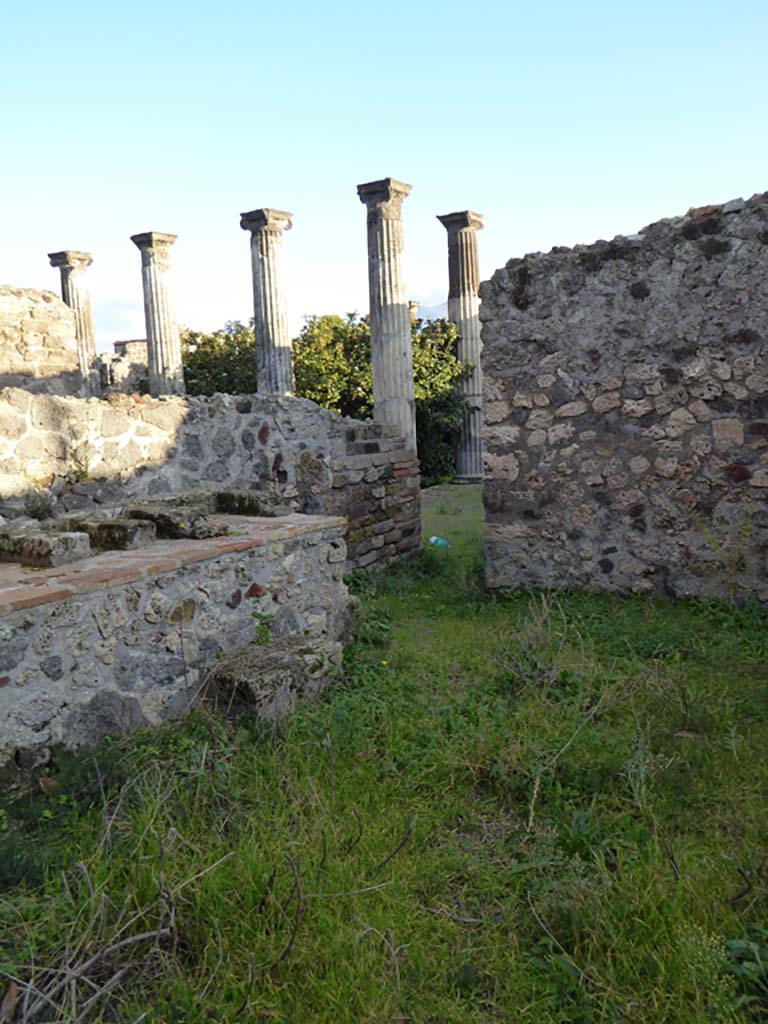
{"points": [[38, 349], [288, 450], [125, 638], [626, 410]]}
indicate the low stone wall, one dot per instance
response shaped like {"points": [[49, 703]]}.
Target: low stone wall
{"points": [[124, 638], [38, 349], [626, 410], [291, 452]]}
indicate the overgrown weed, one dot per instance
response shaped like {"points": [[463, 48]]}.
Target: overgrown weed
{"points": [[541, 808]]}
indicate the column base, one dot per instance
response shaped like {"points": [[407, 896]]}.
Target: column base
{"points": [[467, 480]]}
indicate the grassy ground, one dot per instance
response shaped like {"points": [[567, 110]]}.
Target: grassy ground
{"points": [[536, 808]]}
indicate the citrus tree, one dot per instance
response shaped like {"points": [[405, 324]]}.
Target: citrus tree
{"points": [[332, 366], [220, 362]]}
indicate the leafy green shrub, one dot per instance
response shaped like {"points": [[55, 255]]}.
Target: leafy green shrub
{"points": [[749, 966], [440, 403], [332, 366], [220, 362], [38, 505], [54, 803]]}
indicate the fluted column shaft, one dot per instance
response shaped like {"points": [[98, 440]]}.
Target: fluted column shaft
{"points": [[166, 373], [274, 362], [72, 264], [464, 311], [391, 349]]}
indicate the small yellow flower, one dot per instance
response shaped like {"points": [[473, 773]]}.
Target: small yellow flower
{"points": [[385, 663]]}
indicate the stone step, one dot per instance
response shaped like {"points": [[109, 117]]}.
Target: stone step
{"points": [[248, 503], [45, 548], [113, 534], [178, 522]]}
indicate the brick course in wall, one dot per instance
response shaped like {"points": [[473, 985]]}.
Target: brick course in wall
{"points": [[376, 485], [626, 410]]}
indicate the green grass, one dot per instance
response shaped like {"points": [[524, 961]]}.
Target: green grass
{"points": [[533, 808]]}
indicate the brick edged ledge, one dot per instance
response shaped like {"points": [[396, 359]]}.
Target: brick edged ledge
{"points": [[24, 587]]}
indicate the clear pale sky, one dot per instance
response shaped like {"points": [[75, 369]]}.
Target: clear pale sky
{"points": [[561, 122]]}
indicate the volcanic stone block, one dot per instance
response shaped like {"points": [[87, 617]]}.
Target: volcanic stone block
{"points": [[268, 680], [247, 503], [42, 547], [176, 522], [115, 534]]}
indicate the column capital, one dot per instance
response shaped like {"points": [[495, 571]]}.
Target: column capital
{"points": [[266, 219], [461, 220], [153, 240], [154, 247], [384, 196], [70, 259]]}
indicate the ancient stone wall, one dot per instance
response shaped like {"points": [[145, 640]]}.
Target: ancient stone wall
{"points": [[125, 638], [293, 454], [126, 369], [626, 410], [38, 346]]}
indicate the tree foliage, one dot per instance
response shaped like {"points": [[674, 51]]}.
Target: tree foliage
{"points": [[221, 362], [332, 366]]}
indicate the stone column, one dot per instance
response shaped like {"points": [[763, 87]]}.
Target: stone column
{"points": [[464, 311], [274, 367], [391, 355], [72, 264], [166, 374]]}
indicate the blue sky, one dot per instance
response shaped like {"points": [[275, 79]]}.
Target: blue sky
{"points": [[560, 122]]}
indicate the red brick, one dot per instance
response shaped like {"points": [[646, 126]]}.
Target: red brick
{"points": [[20, 590], [100, 579], [30, 597]]}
